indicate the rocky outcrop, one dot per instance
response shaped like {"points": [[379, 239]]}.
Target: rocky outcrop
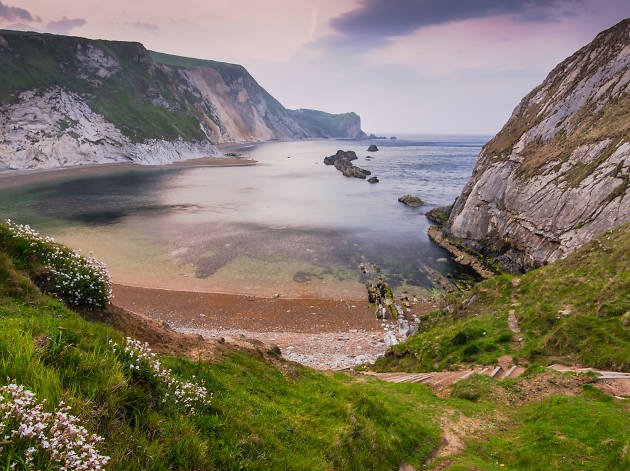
{"points": [[71, 101], [372, 148], [342, 161], [411, 200], [460, 254], [439, 215], [558, 173]]}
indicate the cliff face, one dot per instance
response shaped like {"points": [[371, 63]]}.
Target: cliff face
{"points": [[71, 101], [558, 173]]}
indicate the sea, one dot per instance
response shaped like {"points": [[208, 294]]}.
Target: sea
{"points": [[289, 225]]}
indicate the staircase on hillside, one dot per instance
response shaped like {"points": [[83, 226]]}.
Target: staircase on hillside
{"points": [[444, 378]]}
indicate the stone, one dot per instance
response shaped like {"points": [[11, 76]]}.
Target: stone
{"points": [[372, 148], [390, 339], [373, 180], [411, 200]]}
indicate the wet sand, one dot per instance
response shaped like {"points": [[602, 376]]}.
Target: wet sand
{"points": [[321, 333], [16, 178]]}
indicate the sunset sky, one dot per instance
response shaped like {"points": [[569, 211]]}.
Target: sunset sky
{"points": [[423, 66]]}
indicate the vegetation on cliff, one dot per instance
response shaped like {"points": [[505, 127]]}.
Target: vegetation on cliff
{"points": [[558, 173], [148, 95]]}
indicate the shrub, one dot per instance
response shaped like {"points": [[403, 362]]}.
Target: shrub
{"points": [[138, 360], [61, 271]]}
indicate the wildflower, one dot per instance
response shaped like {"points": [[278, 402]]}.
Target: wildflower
{"points": [[57, 437], [186, 394]]}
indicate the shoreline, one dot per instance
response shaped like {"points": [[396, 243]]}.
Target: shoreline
{"points": [[17, 178], [319, 333]]}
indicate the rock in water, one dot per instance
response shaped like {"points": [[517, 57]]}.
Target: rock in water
{"points": [[342, 162], [372, 148], [558, 173], [411, 200], [373, 180], [439, 215]]}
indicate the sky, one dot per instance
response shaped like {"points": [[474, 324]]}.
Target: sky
{"points": [[405, 66]]}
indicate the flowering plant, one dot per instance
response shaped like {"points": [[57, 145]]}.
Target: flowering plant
{"points": [[75, 279], [42, 440], [138, 358]]}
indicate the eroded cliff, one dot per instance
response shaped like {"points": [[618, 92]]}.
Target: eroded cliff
{"points": [[558, 173], [71, 101]]}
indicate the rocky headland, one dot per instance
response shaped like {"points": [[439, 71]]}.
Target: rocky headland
{"points": [[94, 102], [558, 173]]}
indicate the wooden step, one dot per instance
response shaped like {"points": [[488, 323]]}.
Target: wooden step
{"points": [[509, 372], [495, 372]]}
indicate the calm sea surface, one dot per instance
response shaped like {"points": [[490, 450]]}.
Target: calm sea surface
{"points": [[290, 224]]}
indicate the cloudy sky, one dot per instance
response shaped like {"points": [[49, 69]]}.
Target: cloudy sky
{"points": [[406, 66]]}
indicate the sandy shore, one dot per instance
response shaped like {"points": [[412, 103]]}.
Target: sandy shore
{"points": [[16, 178], [320, 333]]}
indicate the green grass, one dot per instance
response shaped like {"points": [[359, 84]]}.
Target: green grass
{"points": [[559, 433], [571, 311], [260, 416]]}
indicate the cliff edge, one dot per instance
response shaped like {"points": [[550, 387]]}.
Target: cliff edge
{"points": [[558, 173], [69, 101]]}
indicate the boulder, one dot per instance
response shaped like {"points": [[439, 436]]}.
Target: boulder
{"points": [[372, 148], [373, 180], [411, 200]]}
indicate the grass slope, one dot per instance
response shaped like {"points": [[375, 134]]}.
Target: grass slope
{"points": [[260, 416], [576, 310], [560, 432]]}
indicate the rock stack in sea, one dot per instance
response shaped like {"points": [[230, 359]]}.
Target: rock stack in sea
{"points": [[342, 162]]}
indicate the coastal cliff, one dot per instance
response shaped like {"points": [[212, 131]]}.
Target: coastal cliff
{"points": [[558, 173], [71, 101]]}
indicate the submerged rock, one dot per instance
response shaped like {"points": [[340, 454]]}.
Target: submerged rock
{"points": [[411, 200], [373, 180]]}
